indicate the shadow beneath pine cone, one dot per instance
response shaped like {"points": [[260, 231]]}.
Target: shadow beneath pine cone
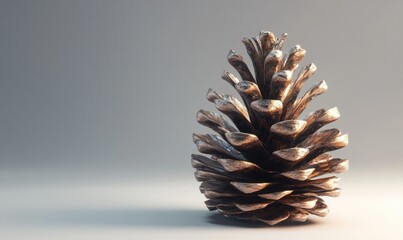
{"points": [[233, 222], [122, 217], [104, 217]]}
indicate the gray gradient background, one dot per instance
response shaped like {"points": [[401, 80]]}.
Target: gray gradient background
{"points": [[111, 88], [98, 102]]}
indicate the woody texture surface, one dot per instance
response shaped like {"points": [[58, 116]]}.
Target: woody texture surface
{"points": [[264, 162]]}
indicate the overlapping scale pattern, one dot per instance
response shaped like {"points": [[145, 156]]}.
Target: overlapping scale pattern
{"points": [[265, 163]]}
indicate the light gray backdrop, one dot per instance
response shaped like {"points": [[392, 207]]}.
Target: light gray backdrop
{"points": [[109, 89]]}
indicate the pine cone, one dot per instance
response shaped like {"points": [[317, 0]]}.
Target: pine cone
{"points": [[269, 167]]}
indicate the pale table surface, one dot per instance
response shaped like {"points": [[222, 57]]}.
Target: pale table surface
{"points": [[173, 209]]}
